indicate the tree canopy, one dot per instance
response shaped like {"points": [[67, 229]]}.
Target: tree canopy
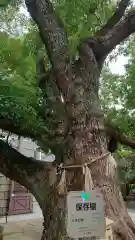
{"points": [[52, 96]]}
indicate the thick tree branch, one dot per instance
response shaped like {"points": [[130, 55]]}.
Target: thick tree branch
{"points": [[119, 33], [55, 39], [10, 126], [39, 135], [119, 137], [102, 46], [16, 166], [32, 174], [115, 18]]}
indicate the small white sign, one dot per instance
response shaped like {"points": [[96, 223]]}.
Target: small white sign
{"points": [[85, 214]]}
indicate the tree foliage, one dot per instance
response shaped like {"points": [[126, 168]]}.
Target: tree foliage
{"points": [[52, 96], [19, 92], [118, 102]]}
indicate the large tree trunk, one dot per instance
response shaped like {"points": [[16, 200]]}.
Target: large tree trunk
{"points": [[34, 175], [87, 140]]}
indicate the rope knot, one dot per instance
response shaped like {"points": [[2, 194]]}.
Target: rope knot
{"points": [[88, 185], [62, 188]]}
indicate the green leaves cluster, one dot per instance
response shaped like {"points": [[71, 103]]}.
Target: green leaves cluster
{"points": [[117, 95], [82, 18], [19, 92]]}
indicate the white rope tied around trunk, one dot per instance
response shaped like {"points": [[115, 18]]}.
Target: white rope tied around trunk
{"points": [[111, 166], [88, 185]]}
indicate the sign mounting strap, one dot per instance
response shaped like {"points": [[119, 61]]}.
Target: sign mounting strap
{"points": [[62, 188]]}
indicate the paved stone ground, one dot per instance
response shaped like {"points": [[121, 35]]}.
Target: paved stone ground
{"points": [[23, 230], [31, 229]]}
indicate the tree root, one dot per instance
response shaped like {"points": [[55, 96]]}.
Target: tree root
{"points": [[124, 229]]}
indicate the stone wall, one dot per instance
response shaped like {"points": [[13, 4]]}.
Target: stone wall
{"points": [[5, 184]]}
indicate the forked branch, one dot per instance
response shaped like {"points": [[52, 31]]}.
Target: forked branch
{"points": [[119, 33], [102, 46], [119, 13]]}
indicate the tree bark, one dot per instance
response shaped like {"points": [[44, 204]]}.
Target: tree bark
{"points": [[34, 175], [115, 18], [87, 140]]}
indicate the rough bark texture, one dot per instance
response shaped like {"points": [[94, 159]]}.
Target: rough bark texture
{"points": [[115, 18], [85, 136], [87, 140], [30, 173]]}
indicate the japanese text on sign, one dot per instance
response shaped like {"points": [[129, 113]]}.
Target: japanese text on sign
{"points": [[85, 214], [85, 206]]}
